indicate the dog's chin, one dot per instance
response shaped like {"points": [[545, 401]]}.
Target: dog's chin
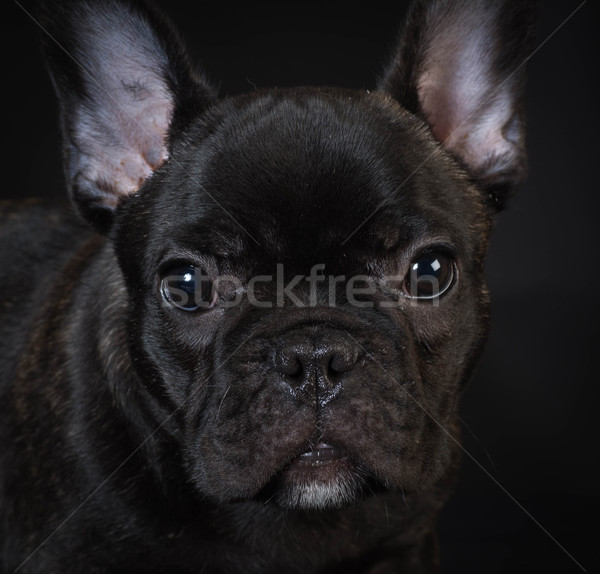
{"points": [[320, 478]]}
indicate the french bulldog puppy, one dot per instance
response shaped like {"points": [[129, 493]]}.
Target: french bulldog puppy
{"points": [[245, 353]]}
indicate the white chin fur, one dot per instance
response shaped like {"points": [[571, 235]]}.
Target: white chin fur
{"points": [[318, 494]]}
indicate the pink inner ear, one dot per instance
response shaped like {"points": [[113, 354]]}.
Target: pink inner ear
{"points": [[143, 143], [123, 152], [122, 126], [467, 109], [473, 126]]}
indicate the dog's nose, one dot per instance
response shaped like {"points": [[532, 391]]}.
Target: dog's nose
{"points": [[315, 368]]}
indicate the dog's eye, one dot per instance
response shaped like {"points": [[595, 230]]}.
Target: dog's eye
{"points": [[188, 288], [430, 276]]}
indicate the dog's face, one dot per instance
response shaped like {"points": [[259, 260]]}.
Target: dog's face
{"points": [[303, 268], [360, 357]]}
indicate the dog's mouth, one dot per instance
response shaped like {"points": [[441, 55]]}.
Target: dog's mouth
{"points": [[322, 453], [323, 476]]}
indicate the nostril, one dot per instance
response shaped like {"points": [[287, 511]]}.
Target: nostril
{"points": [[342, 361], [288, 363], [334, 368], [314, 367]]}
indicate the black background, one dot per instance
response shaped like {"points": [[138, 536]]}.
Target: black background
{"points": [[530, 414]]}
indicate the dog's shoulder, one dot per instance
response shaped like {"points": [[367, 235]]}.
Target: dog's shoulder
{"points": [[34, 231], [37, 238], [28, 225]]}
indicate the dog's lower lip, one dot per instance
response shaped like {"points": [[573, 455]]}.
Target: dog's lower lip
{"points": [[321, 453]]}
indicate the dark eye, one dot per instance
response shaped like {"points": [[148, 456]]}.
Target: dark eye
{"points": [[188, 288], [430, 276]]}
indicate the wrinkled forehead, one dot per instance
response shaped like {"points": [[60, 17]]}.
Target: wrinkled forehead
{"points": [[307, 174]]}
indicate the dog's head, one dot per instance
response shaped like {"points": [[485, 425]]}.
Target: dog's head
{"points": [[304, 268]]}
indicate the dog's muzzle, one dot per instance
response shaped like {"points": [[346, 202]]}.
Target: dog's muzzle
{"points": [[315, 365]]}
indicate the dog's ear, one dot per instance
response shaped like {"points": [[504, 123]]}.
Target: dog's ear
{"points": [[460, 65], [124, 84]]}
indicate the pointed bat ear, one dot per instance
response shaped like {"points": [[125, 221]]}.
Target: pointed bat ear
{"points": [[124, 84], [460, 65]]}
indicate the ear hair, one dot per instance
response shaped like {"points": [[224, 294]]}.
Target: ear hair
{"points": [[460, 65], [124, 84]]}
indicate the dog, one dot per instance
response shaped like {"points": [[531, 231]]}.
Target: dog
{"points": [[244, 348]]}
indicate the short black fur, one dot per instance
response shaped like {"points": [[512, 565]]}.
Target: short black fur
{"points": [[278, 430]]}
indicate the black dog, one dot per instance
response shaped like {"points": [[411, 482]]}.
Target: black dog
{"points": [[250, 358]]}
